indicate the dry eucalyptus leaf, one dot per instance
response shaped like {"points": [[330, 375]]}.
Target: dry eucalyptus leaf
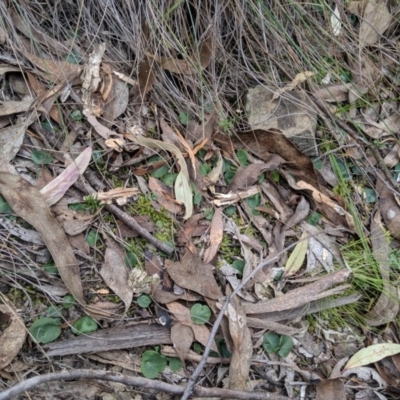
{"points": [[216, 234], [29, 204], [375, 21], [191, 273], [182, 338], [12, 136], [164, 196], [115, 273], [248, 176], [331, 389], [117, 100], [13, 333]]}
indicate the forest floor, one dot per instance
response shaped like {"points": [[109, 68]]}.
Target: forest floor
{"points": [[199, 199]]}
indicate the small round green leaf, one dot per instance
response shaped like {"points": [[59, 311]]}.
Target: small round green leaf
{"points": [[175, 364], [271, 342], [160, 172], [169, 179], [131, 260], [68, 301], [243, 157], [45, 330], [285, 346], [41, 157], [200, 314], [184, 118], [76, 115], [152, 364], [84, 324], [92, 238], [239, 266], [205, 169], [144, 300]]}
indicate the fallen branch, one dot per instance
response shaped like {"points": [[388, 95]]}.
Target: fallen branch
{"points": [[136, 382]]}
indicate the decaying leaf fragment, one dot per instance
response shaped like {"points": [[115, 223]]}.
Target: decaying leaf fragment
{"points": [[182, 314], [182, 338], [183, 191], [29, 204], [13, 333], [177, 66], [191, 273], [56, 189], [375, 21], [216, 234], [115, 273]]}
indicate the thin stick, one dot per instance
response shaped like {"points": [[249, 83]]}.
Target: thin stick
{"points": [[136, 382], [128, 220]]}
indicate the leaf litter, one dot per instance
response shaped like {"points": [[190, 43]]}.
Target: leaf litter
{"points": [[216, 207]]}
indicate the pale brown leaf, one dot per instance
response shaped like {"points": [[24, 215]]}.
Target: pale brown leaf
{"points": [[182, 314], [29, 204], [331, 389], [191, 273], [13, 333], [216, 234], [115, 273], [182, 338], [375, 21], [164, 196]]}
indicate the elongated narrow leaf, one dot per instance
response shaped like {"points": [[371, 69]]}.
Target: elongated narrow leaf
{"points": [[297, 257], [372, 354], [56, 189]]}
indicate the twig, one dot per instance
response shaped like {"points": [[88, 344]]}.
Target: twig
{"points": [[136, 382], [87, 188]]}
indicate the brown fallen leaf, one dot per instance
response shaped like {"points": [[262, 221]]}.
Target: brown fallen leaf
{"points": [[116, 101], [182, 338], [198, 133], [29, 204], [375, 21], [164, 196], [328, 207], [331, 389], [303, 295], [262, 143], [13, 333], [146, 77], [248, 176], [178, 66], [55, 71], [191, 273], [216, 234], [115, 273], [182, 314], [103, 309]]}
